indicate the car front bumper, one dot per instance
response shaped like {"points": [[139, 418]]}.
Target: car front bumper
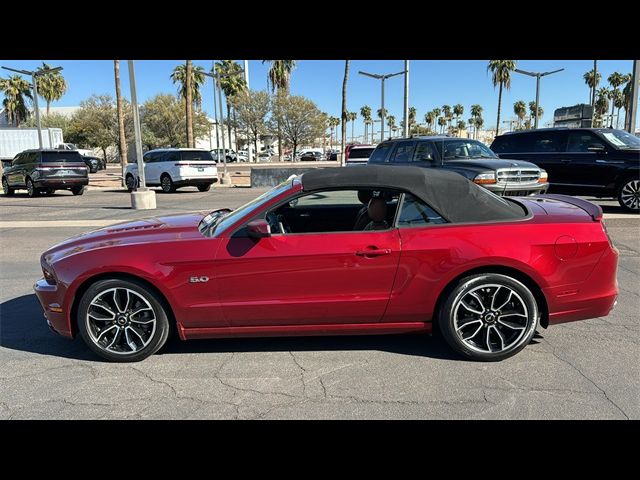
{"points": [[516, 190], [49, 297]]}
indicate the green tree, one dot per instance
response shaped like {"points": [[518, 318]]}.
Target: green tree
{"points": [[461, 125], [602, 105], [163, 122], [179, 76], [458, 110], [446, 112], [591, 80], [391, 123], [53, 120], [252, 108], [501, 77], [478, 123], [232, 84], [279, 78], [626, 94], [520, 109], [365, 113], [333, 122], [353, 116], [51, 85], [437, 112], [442, 121], [300, 120], [413, 113], [532, 110], [95, 124], [430, 118], [616, 79], [16, 91]]}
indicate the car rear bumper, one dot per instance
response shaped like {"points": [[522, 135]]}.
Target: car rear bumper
{"points": [[61, 182], [195, 181], [593, 298], [50, 297]]}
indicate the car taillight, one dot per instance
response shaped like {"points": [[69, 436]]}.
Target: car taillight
{"points": [[485, 178], [606, 232], [195, 165], [544, 177]]}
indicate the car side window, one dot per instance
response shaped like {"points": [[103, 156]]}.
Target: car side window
{"points": [[547, 142], [18, 160], [381, 153], [170, 157], [403, 152], [415, 213], [581, 141], [424, 153]]}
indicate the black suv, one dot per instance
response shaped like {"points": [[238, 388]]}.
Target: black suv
{"points": [[469, 158], [601, 162], [45, 171]]}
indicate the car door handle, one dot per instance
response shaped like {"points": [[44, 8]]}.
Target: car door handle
{"points": [[565, 160], [304, 215], [374, 252]]}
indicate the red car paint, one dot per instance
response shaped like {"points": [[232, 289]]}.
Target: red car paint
{"points": [[310, 284]]}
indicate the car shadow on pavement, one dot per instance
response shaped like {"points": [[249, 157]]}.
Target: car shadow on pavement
{"points": [[23, 328]]}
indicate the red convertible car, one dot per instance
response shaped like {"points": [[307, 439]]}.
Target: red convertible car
{"points": [[339, 251]]}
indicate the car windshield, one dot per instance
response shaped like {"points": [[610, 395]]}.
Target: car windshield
{"points": [[65, 156], [221, 223], [622, 139], [361, 152], [463, 149]]}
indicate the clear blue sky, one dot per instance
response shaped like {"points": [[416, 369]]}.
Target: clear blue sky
{"points": [[433, 83]]}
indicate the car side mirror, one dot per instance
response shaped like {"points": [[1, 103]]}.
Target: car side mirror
{"points": [[258, 229], [596, 147]]}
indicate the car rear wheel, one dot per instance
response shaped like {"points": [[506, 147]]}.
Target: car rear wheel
{"points": [[204, 188], [32, 191], [629, 195], [77, 190], [167, 184], [122, 320], [6, 188], [489, 317]]}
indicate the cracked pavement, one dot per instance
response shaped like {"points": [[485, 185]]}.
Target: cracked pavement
{"points": [[580, 370]]}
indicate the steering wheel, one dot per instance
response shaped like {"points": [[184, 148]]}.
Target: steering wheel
{"points": [[278, 223]]}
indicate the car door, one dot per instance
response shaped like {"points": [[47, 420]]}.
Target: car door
{"points": [[151, 168], [589, 159], [546, 150], [304, 278], [14, 172]]}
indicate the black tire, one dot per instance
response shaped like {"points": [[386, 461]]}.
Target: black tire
{"points": [[204, 188], [517, 330], [157, 333], [6, 188], [629, 195], [167, 184], [48, 191], [32, 191], [130, 182], [77, 190]]}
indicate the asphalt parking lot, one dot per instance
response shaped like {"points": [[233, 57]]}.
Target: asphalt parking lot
{"points": [[581, 370]]}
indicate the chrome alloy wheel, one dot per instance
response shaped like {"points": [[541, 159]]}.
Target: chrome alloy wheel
{"points": [[630, 194], [490, 318], [166, 183], [120, 321]]}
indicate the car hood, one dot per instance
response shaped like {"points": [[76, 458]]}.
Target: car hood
{"points": [[149, 230], [489, 163]]}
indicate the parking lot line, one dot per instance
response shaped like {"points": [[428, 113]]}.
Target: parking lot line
{"points": [[59, 223]]}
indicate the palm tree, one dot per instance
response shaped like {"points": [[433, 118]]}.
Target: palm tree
{"points": [[618, 102], [333, 123], [602, 103], [461, 126], [592, 81], [365, 113], [232, 83], [476, 111], [626, 95], [520, 109], [353, 116], [430, 118], [391, 122], [436, 112], [458, 110], [442, 121], [446, 111], [412, 116], [615, 80], [344, 108], [188, 101], [51, 85], [532, 110], [179, 75], [478, 123], [501, 76], [15, 89], [122, 141], [279, 78]]}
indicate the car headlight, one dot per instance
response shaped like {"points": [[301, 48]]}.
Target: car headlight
{"points": [[544, 177], [485, 178], [47, 273]]}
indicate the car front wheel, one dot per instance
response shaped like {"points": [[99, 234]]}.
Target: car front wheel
{"points": [[167, 184], [77, 190], [130, 182], [122, 320], [629, 195], [489, 317]]}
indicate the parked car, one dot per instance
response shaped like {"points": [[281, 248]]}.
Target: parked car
{"points": [[358, 155], [601, 162], [173, 168], [312, 156], [470, 158], [45, 171], [243, 156], [264, 157], [72, 146], [231, 155], [94, 163], [338, 251]]}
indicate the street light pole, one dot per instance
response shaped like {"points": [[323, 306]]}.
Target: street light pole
{"points": [[538, 75], [406, 98], [34, 77], [382, 78], [383, 113]]}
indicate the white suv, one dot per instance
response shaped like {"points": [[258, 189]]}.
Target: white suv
{"points": [[172, 168]]}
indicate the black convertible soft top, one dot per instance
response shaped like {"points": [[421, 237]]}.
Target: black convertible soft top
{"points": [[450, 194]]}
